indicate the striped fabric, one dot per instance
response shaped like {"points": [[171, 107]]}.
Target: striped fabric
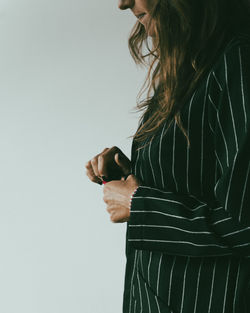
{"points": [[188, 237]]}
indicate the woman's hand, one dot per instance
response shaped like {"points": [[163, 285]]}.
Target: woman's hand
{"points": [[117, 196], [110, 164]]}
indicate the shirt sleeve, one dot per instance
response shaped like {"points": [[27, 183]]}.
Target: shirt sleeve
{"points": [[181, 224]]}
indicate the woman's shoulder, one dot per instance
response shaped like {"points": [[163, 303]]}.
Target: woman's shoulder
{"points": [[234, 55], [239, 40]]}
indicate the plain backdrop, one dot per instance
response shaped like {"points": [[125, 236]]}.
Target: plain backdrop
{"points": [[67, 89]]}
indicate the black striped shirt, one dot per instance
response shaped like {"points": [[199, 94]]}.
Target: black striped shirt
{"points": [[188, 237]]}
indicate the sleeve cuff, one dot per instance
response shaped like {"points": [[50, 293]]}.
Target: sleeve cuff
{"points": [[136, 220]]}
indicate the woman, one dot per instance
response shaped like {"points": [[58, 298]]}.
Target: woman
{"points": [[185, 194]]}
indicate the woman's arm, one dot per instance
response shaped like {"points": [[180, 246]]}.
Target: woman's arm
{"points": [[180, 224]]}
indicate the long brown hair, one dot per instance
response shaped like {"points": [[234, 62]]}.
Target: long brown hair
{"points": [[188, 36]]}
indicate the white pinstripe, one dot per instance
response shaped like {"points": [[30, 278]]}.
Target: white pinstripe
{"points": [[236, 288], [199, 201], [212, 102], [242, 90], [156, 300], [174, 157], [217, 81], [216, 172], [230, 104], [199, 207], [221, 130], [170, 280], [135, 307], [215, 188], [188, 132], [221, 221], [149, 156], [236, 232], [222, 172], [139, 286], [158, 277], [161, 191], [184, 285], [230, 181], [150, 258], [225, 294], [162, 179], [132, 279], [137, 158], [142, 177], [183, 242], [174, 216], [197, 286], [141, 172], [161, 199], [149, 307], [202, 133], [211, 128], [244, 190], [212, 288], [144, 150], [242, 245], [172, 227], [141, 263], [218, 209]]}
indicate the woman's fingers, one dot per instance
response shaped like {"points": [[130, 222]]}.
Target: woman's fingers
{"points": [[91, 175], [123, 162], [114, 163], [94, 179], [102, 166], [107, 166], [110, 163], [92, 167]]}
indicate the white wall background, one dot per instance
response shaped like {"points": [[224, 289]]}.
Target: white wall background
{"points": [[67, 87]]}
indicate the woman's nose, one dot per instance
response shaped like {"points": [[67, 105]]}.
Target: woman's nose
{"points": [[125, 4]]}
